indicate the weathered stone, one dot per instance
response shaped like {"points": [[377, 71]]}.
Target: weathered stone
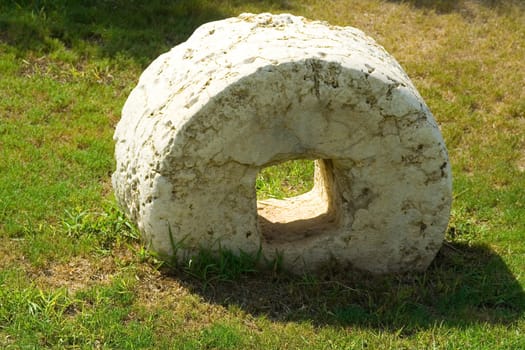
{"points": [[248, 92]]}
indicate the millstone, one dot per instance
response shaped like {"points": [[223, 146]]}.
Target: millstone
{"points": [[248, 92]]}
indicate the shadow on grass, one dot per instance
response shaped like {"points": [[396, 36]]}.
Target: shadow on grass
{"points": [[140, 30], [464, 285], [448, 6], [137, 29]]}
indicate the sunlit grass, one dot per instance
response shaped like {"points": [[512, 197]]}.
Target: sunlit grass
{"points": [[287, 179]]}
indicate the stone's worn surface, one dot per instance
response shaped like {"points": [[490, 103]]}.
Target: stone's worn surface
{"points": [[248, 92]]}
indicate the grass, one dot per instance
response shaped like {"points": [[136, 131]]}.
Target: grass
{"points": [[287, 179], [74, 275]]}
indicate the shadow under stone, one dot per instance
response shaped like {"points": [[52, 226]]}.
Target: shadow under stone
{"points": [[464, 285]]}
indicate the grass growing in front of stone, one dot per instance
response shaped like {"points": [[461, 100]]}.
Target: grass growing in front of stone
{"points": [[74, 275]]}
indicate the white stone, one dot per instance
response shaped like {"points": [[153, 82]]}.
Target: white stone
{"points": [[248, 92]]}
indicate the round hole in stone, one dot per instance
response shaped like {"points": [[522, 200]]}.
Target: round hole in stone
{"points": [[311, 210]]}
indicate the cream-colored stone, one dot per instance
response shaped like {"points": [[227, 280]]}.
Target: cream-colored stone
{"points": [[248, 92]]}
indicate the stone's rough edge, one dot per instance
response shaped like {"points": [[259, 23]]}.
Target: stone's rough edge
{"points": [[178, 142]]}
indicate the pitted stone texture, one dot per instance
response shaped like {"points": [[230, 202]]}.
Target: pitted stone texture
{"points": [[248, 92]]}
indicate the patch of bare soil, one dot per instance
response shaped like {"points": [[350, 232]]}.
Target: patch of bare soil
{"points": [[295, 218], [7, 247], [521, 163], [81, 272], [77, 274]]}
